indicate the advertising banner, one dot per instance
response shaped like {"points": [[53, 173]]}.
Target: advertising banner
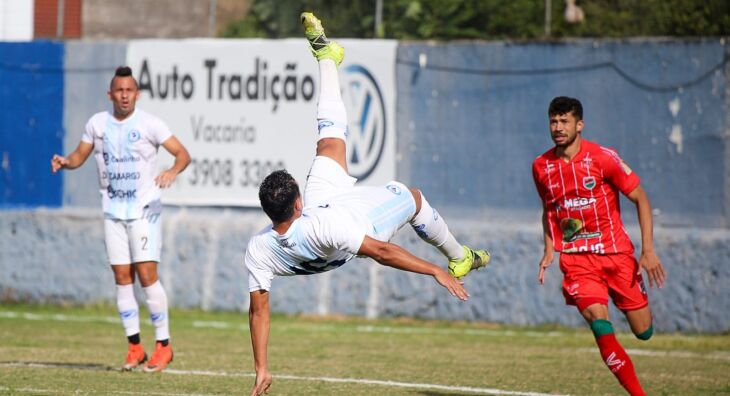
{"points": [[244, 108]]}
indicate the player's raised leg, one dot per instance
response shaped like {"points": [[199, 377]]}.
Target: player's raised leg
{"points": [[331, 115], [431, 227]]}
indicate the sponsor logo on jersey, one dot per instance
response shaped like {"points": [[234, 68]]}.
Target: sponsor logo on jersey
{"points": [[579, 203], [134, 135], [121, 175], [589, 182], [586, 162], [368, 121], [585, 235], [570, 228], [118, 160], [286, 243], [121, 194]]}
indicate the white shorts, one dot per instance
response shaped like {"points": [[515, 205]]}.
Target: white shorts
{"points": [[133, 241], [326, 179], [385, 208], [389, 208]]}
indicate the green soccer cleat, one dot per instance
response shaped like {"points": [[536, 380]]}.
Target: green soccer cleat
{"points": [[473, 260], [321, 47]]}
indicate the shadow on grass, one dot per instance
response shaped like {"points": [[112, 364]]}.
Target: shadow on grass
{"points": [[74, 366]]}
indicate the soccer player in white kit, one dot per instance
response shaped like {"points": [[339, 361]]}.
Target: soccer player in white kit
{"points": [[334, 221], [125, 145]]}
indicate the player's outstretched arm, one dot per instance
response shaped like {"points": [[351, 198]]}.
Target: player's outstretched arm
{"points": [[258, 322], [648, 260], [74, 160], [182, 159], [395, 256], [547, 257]]}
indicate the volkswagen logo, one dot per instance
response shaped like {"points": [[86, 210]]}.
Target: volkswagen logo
{"points": [[367, 121]]}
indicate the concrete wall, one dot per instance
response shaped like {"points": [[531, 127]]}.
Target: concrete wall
{"points": [[466, 138], [58, 256], [104, 19], [111, 19]]}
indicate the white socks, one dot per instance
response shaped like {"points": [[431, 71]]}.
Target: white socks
{"points": [[128, 309], [331, 114], [157, 303], [429, 225], [329, 80]]}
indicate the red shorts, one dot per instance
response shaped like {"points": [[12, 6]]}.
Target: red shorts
{"points": [[591, 278]]}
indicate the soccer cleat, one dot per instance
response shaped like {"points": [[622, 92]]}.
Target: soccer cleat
{"points": [[321, 47], [160, 359], [472, 260], [135, 357]]}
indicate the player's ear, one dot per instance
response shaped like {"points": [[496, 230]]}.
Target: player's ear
{"points": [[298, 204], [579, 125]]}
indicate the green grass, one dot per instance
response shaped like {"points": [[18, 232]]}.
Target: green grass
{"points": [[80, 352]]}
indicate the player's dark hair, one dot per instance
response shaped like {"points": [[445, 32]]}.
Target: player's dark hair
{"points": [[122, 71], [565, 105], [277, 194]]}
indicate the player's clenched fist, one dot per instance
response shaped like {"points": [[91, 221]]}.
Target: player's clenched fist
{"points": [[58, 162]]}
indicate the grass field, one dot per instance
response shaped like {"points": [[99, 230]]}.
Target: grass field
{"points": [[57, 351]]}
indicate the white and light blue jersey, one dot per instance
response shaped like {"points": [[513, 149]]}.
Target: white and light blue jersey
{"points": [[328, 235], [126, 158]]}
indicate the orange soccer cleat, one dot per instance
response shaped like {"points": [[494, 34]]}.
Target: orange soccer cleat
{"points": [[160, 359], [135, 357]]}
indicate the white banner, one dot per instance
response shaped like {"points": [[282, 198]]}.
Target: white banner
{"points": [[244, 108]]}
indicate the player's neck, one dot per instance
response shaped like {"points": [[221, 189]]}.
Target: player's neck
{"points": [[569, 152], [122, 117], [282, 227]]}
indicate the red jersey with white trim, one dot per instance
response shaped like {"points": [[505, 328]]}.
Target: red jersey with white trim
{"points": [[581, 199]]}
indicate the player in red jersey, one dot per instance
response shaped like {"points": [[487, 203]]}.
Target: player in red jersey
{"points": [[579, 182]]}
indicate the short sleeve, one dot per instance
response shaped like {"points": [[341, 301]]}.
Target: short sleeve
{"points": [[618, 173], [88, 135], [159, 132], [259, 277]]}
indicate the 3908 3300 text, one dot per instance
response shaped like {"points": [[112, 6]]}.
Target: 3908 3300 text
{"points": [[229, 172]]}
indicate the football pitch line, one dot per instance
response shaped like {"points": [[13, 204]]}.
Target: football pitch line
{"points": [[56, 391], [361, 381], [676, 354]]}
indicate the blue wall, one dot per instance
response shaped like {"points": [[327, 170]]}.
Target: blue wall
{"points": [[474, 117], [31, 130]]}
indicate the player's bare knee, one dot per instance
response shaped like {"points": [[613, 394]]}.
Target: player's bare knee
{"points": [[416, 197], [646, 334], [330, 144]]}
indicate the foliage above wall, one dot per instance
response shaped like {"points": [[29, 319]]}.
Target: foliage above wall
{"points": [[492, 19]]}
